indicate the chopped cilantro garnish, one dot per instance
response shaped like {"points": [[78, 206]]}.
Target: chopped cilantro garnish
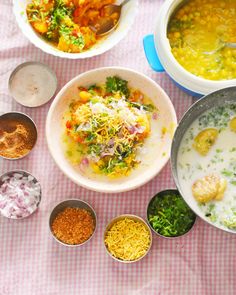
{"points": [[66, 32], [115, 84], [227, 173], [169, 215]]}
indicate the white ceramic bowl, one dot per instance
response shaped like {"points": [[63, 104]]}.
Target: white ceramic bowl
{"points": [[157, 160], [126, 21], [163, 59]]}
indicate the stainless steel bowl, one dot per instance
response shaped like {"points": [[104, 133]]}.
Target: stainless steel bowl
{"points": [[133, 217], [214, 99], [159, 195], [72, 203], [33, 80], [18, 116], [24, 173]]}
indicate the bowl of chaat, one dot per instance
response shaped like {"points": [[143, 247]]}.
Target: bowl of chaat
{"points": [[66, 28], [110, 129]]}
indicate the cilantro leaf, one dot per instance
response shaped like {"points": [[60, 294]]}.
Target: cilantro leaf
{"points": [[116, 84]]}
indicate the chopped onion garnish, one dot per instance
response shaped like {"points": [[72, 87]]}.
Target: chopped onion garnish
{"points": [[19, 195]]}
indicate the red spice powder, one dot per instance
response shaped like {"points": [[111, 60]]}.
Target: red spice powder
{"points": [[73, 226]]}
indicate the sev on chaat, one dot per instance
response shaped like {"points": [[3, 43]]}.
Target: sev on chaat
{"points": [[128, 239], [67, 24], [106, 126]]}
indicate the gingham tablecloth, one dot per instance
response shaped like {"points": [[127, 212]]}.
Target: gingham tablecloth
{"points": [[33, 263]]}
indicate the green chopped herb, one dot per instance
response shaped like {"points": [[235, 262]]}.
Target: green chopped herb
{"points": [[169, 215], [115, 84], [146, 107], [66, 32], [233, 149], [227, 173]]}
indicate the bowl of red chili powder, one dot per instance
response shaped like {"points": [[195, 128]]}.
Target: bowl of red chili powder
{"points": [[72, 222]]}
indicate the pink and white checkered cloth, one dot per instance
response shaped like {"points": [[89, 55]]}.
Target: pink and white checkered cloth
{"points": [[32, 263]]}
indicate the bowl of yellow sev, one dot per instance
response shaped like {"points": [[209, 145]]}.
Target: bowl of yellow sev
{"points": [[127, 238], [64, 28], [110, 129]]}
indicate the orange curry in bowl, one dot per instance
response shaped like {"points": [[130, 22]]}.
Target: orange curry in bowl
{"points": [[69, 25]]}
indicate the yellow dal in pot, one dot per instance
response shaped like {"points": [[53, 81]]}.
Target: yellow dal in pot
{"points": [[197, 32]]}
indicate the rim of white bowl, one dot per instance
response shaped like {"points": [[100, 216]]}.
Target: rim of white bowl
{"points": [[34, 38], [84, 182], [171, 65]]}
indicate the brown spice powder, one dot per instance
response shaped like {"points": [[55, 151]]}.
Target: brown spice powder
{"points": [[73, 226], [17, 138]]}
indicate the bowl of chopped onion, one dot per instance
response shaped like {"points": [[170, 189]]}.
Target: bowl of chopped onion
{"points": [[65, 28], [110, 129], [127, 238], [20, 194]]}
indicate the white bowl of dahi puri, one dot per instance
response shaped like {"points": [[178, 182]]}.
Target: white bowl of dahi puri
{"points": [[110, 129], [203, 158]]}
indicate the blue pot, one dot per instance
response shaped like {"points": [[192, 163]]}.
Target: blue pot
{"points": [[155, 64]]}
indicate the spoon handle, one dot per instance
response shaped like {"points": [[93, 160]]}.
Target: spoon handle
{"points": [[230, 45], [124, 2]]}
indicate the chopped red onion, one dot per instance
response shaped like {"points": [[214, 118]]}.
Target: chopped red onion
{"points": [[19, 195], [85, 161], [84, 164], [132, 129], [155, 116]]}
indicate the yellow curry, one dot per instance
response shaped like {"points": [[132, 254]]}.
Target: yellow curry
{"points": [[197, 33], [69, 25]]}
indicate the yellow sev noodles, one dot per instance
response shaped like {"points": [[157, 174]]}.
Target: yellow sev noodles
{"points": [[128, 239]]}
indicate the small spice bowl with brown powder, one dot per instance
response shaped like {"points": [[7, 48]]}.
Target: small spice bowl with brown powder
{"points": [[73, 222], [18, 135]]}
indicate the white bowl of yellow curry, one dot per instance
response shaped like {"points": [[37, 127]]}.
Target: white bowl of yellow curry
{"points": [[190, 40], [64, 28], [110, 129]]}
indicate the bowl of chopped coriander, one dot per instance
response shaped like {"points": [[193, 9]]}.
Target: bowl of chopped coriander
{"points": [[168, 215], [110, 129]]}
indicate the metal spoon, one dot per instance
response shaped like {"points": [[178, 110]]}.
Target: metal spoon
{"points": [[223, 44], [106, 24]]}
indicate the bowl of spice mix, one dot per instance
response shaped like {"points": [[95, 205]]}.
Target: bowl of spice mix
{"points": [[168, 215], [127, 238], [18, 135], [73, 222]]}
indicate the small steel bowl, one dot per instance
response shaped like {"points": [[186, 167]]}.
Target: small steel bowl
{"points": [[24, 173], [21, 117], [159, 195], [72, 203], [31, 79], [133, 217]]}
